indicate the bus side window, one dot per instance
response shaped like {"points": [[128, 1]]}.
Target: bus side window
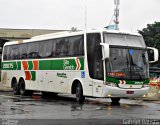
{"points": [[58, 46], [72, 46], [61, 47], [75, 46], [53, 48], [9, 53], [33, 50], [23, 51], [81, 46], [5, 56], [45, 48], [14, 52]]}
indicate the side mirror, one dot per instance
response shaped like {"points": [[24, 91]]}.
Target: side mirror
{"points": [[105, 50], [152, 54]]}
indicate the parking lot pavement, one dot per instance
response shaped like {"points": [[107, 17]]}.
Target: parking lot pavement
{"points": [[5, 89]]}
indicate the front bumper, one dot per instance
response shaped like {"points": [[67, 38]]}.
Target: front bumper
{"points": [[109, 91]]}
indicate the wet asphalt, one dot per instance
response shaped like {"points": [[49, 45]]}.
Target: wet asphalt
{"points": [[63, 109]]}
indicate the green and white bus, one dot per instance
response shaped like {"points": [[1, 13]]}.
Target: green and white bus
{"points": [[96, 63]]}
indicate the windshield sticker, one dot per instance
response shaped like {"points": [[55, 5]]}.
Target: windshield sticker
{"points": [[131, 52], [117, 74]]}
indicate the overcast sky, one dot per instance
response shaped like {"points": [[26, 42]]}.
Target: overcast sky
{"points": [[64, 14]]}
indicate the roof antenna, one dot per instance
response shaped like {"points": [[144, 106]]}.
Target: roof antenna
{"points": [[85, 18]]}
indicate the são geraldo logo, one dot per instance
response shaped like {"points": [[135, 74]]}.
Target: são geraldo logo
{"points": [[69, 66], [66, 65]]}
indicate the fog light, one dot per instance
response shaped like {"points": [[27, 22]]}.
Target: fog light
{"points": [[144, 96], [109, 95]]}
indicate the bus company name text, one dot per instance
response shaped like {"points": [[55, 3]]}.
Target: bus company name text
{"points": [[66, 65]]}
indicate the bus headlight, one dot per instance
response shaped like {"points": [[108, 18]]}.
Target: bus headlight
{"points": [[145, 85], [144, 96], [111, 84]]}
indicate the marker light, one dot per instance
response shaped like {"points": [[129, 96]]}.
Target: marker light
{"points": [[145, 85], [111, 84]]}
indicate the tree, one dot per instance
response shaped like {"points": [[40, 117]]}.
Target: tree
{"points": [[151, 35]]}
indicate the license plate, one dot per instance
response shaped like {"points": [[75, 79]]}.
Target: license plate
{"points": [[129, 92]]}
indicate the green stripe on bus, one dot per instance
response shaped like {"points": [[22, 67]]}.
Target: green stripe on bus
{"points": [[110, 79], [82, 63], [65, 64], [61, 64], [50, 65], [30, 65], [19, 65], [33, 74]]}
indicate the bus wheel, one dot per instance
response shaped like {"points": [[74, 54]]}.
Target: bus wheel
{"points": [[79, 93], [23, 90], [15, 87], [115, 100]]}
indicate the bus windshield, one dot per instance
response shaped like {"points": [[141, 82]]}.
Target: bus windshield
{"points": [[127, 63], [128, 57]]}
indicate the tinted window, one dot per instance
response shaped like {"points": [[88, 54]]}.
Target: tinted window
{"points": [[53, 48], [5, 56], [94, 54], [61, 47], [33, 50], [23, 51], [76, 46], [8, 52], [45, 48], [81, 46], [14, 54]]}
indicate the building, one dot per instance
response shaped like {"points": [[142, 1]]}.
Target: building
{"points": [[19, 34]]}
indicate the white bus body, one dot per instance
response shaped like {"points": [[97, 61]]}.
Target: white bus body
{"points": [[86, 63]]}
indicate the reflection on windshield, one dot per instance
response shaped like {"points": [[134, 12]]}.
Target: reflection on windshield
{"points": [[128, 63]]}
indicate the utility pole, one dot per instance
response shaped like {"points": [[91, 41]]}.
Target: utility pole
{"points": [[116, 14]]}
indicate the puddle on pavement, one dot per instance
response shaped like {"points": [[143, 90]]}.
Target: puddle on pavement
{"points": [[16, 100], [26, 104], [76, 107], [37, 100], [121, 106]]}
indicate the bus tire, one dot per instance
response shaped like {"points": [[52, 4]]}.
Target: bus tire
{"points": [[22, 89], [15, 87], [115, 100], [79, 93]]}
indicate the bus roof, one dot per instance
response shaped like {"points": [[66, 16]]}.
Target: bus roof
{"points": [[67, 34]]}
